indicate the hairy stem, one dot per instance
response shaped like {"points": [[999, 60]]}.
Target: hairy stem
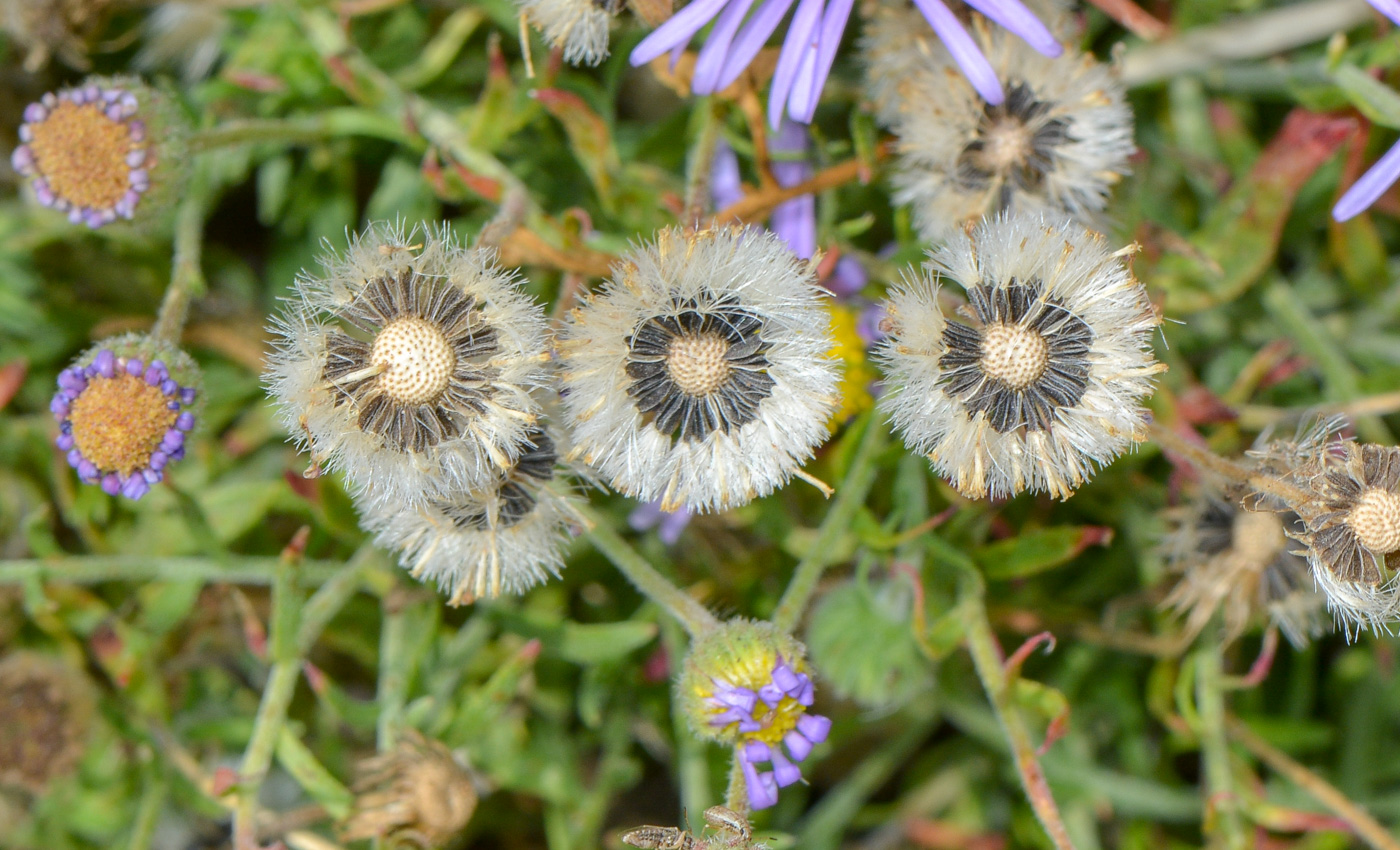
{"points": [[702, 161], [186, 277], [249, 131], [987, 658], [96, 569], [850, 496], [1361, 822], [1211, 462], [653, 585], [1222, 803]]}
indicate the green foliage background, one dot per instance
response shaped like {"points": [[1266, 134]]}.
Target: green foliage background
{"points": [[562, 698]]}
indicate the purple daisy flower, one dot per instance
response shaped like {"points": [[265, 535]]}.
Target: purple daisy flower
{"points": [[809, 48], [795, 220], [772, 712], [1381, 176], [86, 154], [122, 419]]}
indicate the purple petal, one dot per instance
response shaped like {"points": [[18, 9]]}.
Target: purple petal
{"points": [[798, 745], [106, 363], [762, 790], [771, 695], [814, 727], [756, 751], [1370, 187], [645, 515], [677, 31], [752, 37], [796, 222], [726, 184], [185, 422], [849, 276], [833, 25], [804, 91], [187, 395], [1389, 8], [111, 484], [711, 62], [807, 695], [965, 51], [1022, 21], [784, 772], [786, 678], [799, 36], [672, 524], [64, 442]]}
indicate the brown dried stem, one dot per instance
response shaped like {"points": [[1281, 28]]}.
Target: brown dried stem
{"points": [[1132, 17], [1370, 830], [1209, 461], [762, 202]]}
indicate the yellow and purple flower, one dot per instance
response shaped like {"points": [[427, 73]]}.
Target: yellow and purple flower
{"points": [[87, 152], [124, 414], [747, 684]]}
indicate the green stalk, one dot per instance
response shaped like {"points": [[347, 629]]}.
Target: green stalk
{"points": [[1222, 801], [653, 585], [96, 569], [186, 277], [850, 496]]}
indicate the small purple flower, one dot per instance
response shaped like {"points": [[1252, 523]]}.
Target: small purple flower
{"points": [[1386, 171], [774, 711], [650, 515], [121, 420], [809, 48], [84, 151]]}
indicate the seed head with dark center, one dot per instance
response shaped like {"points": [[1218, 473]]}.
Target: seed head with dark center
{"points": [[1024, 357], [700, 370], [424, 374]]}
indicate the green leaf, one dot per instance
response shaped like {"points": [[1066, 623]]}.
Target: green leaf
{"points": [[1037, 551], [314, 778]]}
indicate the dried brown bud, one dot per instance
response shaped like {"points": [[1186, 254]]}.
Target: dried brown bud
{"points": [[415, 793], [47, 708]]}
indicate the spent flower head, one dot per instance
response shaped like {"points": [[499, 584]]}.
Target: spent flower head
{"points": [[415, 792], [809, 47], [1040, 376], [103, 151], [700, 374], [407, 365], [48, 709], [1057, 143], [505, 538], [1241, 564], [125, 409], [577, 27], [747, 684]]}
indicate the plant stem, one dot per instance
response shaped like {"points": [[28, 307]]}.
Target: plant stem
{"points": [[1228, 469], [1364, 825], [393, 683], [736, 797], [850, 496], [702, 161], [186, 278], [249, 131], [987, 658], [653, 585], [96, 569], [1222, 803]]}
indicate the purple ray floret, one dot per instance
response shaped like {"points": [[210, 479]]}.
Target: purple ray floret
{"points": [[1381, 176], [741, 705], [809, 49]]}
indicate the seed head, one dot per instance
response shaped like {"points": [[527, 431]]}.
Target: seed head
{"points": [[578, 27], [700, 375], [417, 792], [408, 367], [1040, 378]]}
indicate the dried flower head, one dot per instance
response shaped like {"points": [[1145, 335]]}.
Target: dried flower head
{"points": [[99, 152], [700, 374], [1056, 145], [44, 28], [124, 411], [1239, 563], [408, 367], [1040, 377], [47, 708], [416, 792], [507, 538], [577, 27], [746, 684], [185, 35]]}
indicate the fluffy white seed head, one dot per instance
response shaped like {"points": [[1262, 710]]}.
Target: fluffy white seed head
{"points": [[578, 27], [1041, 378], [1057, 146], [504, 539], [700, 374], [406, 364]]}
